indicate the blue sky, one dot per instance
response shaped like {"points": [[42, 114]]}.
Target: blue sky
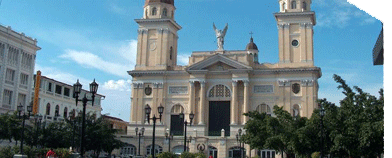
{"points": [[97, 39]]}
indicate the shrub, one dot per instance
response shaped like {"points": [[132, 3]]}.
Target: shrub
{"points": [[6, 152], [257, 156], [316, 155], [167, 155]]}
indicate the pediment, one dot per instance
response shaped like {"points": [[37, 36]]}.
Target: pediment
{"points": [[218, 62]]}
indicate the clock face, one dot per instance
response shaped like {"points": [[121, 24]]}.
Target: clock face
{"points": [[295, 43]]}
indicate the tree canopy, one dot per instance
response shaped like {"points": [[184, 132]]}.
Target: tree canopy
{"points": [[355, 128]]}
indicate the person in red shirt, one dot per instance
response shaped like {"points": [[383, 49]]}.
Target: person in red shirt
{"points": [[51, 153], [210, 156]]}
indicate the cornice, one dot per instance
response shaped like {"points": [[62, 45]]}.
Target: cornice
{"points": [[288, 70], [159, 20], [136, 73]]}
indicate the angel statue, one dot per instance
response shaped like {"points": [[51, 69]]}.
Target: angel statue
{"points": [[220, 36]]}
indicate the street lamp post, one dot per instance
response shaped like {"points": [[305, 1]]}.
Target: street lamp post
{"points": [[139, 133], [322, 113], [38, 120], [182, 117], [169, 137], [24, 117], [73, 120], [154, 119], [77, 87], [239, 140]]}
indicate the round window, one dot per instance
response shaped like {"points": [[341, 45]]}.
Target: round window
{"points": [[295, 43]]}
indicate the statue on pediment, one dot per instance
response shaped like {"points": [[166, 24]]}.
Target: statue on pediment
{"points": [[220, 36]]}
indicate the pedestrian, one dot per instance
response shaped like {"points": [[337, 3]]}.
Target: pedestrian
{"points": [[51, 154], [210, 156]]}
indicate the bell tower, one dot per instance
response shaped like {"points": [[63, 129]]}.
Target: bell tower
{"points": [[157, 36], [295, 28]]}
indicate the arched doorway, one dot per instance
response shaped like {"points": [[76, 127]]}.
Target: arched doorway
{"points": [[219, 97], [176, 124], [212, 151], [235, 152]]}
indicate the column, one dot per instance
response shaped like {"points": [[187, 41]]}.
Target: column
{"points": [[191, 96], [233, 106], [134, 103], [3, 71], [287, 42], [202, 102], [303, 44], [246, 100], [164, 47], [144, 47]]}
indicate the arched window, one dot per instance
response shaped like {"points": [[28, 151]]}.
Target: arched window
{"points": [[219, 91], [293, 5], [57, 110], [235, 152], [65, 112], [295, 110], [158, 149], [264, 108], [154, 11], [213, 151], [127, 151], [304, 5], [164, 12], [48, 109]]}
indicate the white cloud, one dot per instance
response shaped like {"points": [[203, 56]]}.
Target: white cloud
{"points": [[120, 85], [183, 59], [116, 9], [339, 13], [91, 60]]}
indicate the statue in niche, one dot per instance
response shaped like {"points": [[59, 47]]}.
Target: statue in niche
{"points": [[220, 36]]}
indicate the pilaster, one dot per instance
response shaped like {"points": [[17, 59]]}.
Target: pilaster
{"points": [[191, 96], [246, 100], [234, 104], [202, 102]]}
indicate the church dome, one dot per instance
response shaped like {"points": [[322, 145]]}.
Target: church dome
{"points": [[160, 1], [251, 45]]}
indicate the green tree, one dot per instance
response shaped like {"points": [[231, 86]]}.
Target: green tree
{"points": [[359, 120], [10, 126]]}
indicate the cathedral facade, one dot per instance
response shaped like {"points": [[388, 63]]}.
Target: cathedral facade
{"points": [[217, 86]]}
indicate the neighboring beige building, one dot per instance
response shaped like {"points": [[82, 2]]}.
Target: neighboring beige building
{"points": [[218, 86], [17, 61]]}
